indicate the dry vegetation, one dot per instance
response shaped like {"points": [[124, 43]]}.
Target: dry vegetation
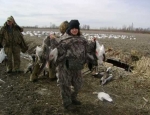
{"points": [[130, 91]]}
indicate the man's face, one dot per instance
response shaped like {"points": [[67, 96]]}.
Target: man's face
{"points": [[9, 22], [74, 31]]}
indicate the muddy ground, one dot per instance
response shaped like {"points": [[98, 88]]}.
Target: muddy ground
{"points": [[130, 91]]}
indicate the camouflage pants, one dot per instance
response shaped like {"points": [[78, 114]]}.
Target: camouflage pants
{"points": [[35, 72], [52, 70], [67, 79], [13, 55]]}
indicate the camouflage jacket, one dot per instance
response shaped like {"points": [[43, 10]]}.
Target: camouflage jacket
{"points": [[64, 47], [15, 38]]}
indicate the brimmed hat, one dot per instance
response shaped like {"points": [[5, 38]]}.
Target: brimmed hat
{"points": [[10, 18]]}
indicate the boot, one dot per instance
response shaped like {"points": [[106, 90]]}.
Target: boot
{"points": [[69, 107], [34, 75], [76, 102], [18, 71], [33, 78]]}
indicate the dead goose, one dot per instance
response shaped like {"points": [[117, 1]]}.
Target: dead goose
{"points": [[103, 96], [2, 55]]}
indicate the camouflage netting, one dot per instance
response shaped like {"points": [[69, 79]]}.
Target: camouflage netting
{"points": [[126, 57]]}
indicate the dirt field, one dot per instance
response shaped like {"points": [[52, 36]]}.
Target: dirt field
{"points": [[130, 91]]}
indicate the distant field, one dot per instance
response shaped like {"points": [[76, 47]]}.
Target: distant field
{"points": [[141, 43]]}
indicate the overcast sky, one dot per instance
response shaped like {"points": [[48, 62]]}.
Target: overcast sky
{"points": [[95, 13]]}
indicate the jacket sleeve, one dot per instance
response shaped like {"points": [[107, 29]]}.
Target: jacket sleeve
{"points": [[1, 37], [61, 52], [19, 28]]}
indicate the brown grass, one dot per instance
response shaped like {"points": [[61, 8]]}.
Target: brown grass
{"points": [[129, 90]]}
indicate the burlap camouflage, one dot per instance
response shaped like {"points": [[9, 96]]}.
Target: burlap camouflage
{"points": [[10, 40]]}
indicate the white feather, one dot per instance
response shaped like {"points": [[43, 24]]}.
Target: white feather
{"points": [[38, 52], [53, 54], [2, 55], [1, 81], [104, 96], [100, 51]]}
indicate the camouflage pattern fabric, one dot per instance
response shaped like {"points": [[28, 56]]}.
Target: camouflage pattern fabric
{"points": [[13, 56], [72, 47], [67, 77], [6, 33], [52, 70], [10, 40], [35, 71], [14, 22], [22, 44]]}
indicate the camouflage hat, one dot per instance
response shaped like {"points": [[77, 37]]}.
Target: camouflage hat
{"points": [[10, 19], [63, 27]]}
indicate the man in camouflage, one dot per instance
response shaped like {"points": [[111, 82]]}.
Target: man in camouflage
{"points": [[11, 38]]}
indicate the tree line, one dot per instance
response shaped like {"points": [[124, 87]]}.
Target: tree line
{"points": [[110, 29]]}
